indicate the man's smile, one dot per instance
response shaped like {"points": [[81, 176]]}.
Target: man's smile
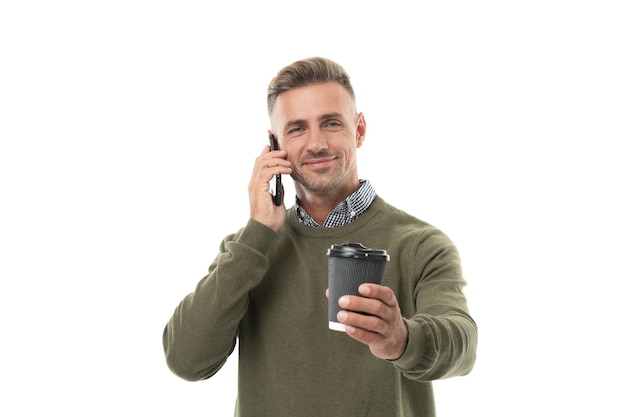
{"points": [[318, 163]]}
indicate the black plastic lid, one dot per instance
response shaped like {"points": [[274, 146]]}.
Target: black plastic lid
{"points": [[357, 250]]}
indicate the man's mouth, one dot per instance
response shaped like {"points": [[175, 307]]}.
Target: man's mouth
{"points": [[318, 163]]}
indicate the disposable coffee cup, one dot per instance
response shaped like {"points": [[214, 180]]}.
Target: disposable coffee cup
{"points": [[349, 266]]}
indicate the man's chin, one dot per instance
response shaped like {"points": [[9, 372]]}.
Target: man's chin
{"points": [[321, 187]]}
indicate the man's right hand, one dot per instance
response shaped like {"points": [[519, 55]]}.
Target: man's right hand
{"points": [[262, 208]]}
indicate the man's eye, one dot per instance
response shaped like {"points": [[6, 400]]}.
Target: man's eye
{"points": [[333, 125], [295, 130]]}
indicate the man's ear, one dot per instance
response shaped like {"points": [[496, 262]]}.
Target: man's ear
{"points": [[361, 128]]}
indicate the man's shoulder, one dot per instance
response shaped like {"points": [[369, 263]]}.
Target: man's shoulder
{"points": [[399, 216], [404, 224]]}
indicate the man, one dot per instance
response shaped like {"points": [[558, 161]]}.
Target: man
{"points": [[267, 285]]}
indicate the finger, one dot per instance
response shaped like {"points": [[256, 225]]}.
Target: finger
{"points": [[276, 160], [371, 306], [362, 335], [379, 292], [267, 166], [370, 324], [270, 154]]}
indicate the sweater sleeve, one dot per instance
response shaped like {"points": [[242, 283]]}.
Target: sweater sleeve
{"points": [[202, 332], [442, 335]]}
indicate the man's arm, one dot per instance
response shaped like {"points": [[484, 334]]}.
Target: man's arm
{"points": [[202, 331], [439, 340]]}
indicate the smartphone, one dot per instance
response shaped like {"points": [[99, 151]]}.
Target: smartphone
{"points": [[277, 195]]}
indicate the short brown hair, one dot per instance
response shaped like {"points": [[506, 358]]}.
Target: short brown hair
{"points": [[305, 72]]}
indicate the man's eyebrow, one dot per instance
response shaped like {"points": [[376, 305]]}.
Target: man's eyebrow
{"points": [[334, 115], [295, 122], [300, 122]]}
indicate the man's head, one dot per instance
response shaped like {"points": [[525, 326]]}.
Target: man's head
{"points": [[313, 114]]}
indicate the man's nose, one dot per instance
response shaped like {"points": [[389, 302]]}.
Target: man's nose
{"points": [[316, 141]]}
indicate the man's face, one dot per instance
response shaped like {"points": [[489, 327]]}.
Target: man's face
{"points": [[319, 128]]}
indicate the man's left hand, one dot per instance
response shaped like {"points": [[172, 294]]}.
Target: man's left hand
{"points": [[384, 330]]}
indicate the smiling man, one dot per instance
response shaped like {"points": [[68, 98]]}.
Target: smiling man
{"points": [[266, 287]]}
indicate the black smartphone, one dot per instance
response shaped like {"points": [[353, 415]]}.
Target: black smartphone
{"points": [[277, 196]]}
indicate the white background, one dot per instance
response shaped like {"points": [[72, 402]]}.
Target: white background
{"points": [[128, 132]]}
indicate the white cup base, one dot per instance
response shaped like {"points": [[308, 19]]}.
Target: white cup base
{"points": [[333, 325]]}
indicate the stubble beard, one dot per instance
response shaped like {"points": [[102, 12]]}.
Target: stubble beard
{"points": [[322, 180]]}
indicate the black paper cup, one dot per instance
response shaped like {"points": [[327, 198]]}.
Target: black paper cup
{"points": [[349, 266]]}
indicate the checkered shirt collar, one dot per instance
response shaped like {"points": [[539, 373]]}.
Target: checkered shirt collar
{"points": [[347, 211]]}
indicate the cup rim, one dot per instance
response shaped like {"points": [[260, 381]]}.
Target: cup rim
{"points": [[357, 250]]}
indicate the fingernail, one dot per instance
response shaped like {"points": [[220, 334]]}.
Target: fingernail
{"points": [[342, 315], [364, 289], [343, 301]]}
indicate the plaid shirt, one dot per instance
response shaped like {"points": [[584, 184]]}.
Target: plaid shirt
{"points": [[347, 211]]}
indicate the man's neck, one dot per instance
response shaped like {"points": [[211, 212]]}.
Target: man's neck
{"points": [[319, 206]]}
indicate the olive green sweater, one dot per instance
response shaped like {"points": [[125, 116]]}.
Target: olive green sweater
{"points": [[268, 290]]}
